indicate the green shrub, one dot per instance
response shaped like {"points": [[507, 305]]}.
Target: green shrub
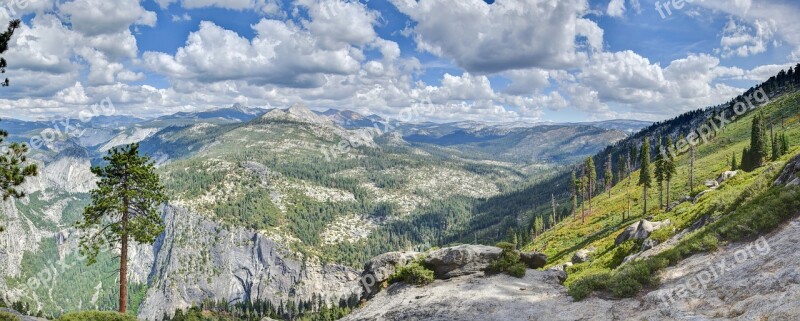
{"points": [[584, 286], [5, 316], [662, 235], [508, 262], [96, 316], [623, 250], [413, 273]]}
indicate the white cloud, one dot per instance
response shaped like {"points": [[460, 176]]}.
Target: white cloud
{"points": [[505, 35], [743, 41], [524, 82], [96, 17], [336, 23], [269, 7], [183, 17], [281, 53], [773, 16], [616, 8]]}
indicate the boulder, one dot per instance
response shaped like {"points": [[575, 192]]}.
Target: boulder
{"points": [[639, 230], [790, 173], [710, 183], [533, 260], [561, 267], [648, 244], [555, 276], [380, 268], [582, 256], [726, 176], [461, 260]]}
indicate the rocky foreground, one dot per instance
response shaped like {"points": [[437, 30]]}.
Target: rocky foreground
{"points": [[744, 281]]}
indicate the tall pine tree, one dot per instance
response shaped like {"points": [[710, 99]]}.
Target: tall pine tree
{"points": [[645, 178], [13, 160], [758, 142], [124, 206], [608, 178], [658, 172], [670, 169], [591, 177]]}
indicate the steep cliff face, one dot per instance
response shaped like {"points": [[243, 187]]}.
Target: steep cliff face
{"points": [[197, 259]]}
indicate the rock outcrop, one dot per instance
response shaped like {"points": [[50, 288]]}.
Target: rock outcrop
{"points": [[381, 267], [751, 281], [726, 175], [790, 173], [534, 260], [461, 260], [583, 255], [639, 230], [197, 259]]}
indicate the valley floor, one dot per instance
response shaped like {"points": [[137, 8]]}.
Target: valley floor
{"points": [[759, 280]]}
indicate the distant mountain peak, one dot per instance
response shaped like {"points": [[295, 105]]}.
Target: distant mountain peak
{"points": [[298, 112]]}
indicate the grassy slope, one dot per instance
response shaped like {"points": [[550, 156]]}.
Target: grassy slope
{"points": [[726, 203]]}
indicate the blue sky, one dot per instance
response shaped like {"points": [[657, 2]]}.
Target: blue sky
{"points": [[504, 60]]}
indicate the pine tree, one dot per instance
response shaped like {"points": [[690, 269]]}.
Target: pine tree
{"points": [[584, 191], [553, 205], [784, 144], [658, 172], [670, 169], [758, 142], [691, 169], [629, 169], [734, 165], [608, 178], [124, 205], [13, 170], [575, 186], [776, 147], [592, 179], [645, 178], [746, 162], [13, 167]]}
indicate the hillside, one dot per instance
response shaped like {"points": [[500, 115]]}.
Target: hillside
{"points": [[724, 251], [311, 209]]}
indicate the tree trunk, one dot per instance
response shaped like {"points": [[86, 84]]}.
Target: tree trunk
{"points": [[591, 195], [553, 203], [644, 208], [123, 262], [691, 172], [583, 207], [668, 184]]}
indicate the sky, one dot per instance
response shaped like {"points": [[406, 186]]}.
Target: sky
{"points": [[438, 60]]}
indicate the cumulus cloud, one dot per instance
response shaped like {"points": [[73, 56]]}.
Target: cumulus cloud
{"points": [[616, 8], [337, 23], [263, 6], [505, 35], [281, 53], [741, 40], [775, 18], [95, 17]]}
